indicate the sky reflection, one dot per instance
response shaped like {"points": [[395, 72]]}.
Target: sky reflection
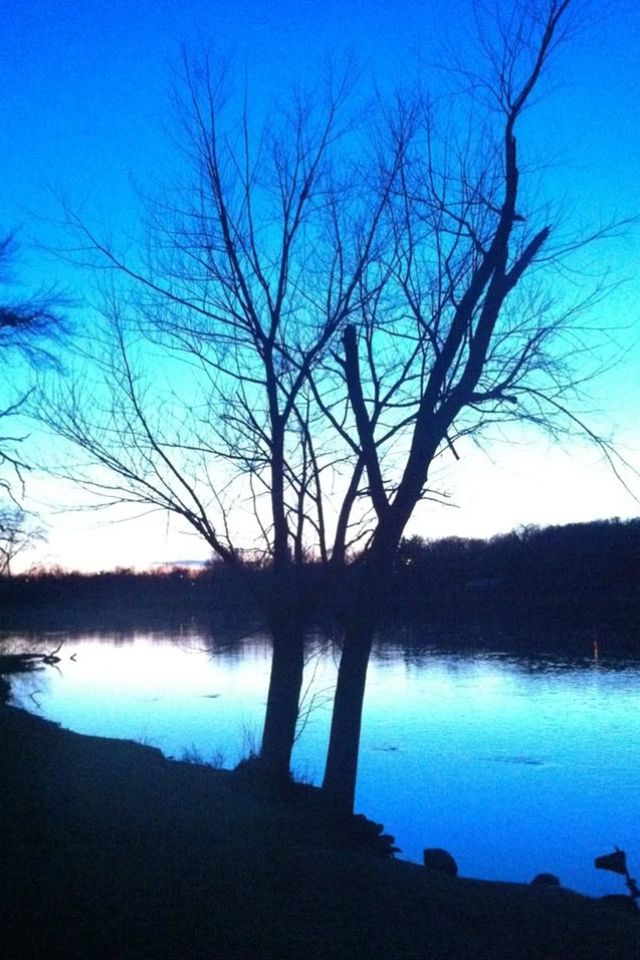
{"points": [[516, 765]]}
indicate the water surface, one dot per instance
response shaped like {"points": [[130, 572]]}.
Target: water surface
{"points": [[516, 764]]}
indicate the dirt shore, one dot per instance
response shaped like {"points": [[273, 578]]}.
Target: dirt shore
{"points": [[110, 850]]}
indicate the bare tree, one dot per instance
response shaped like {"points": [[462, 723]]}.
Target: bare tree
{"points": [[18, 532], [465, 332], [310, 326], [202, 402]]}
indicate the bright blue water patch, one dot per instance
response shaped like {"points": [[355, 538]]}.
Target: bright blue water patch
{"points": [[517, 765]]}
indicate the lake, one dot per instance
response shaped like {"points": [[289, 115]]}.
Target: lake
{"points": [[518, 764]]}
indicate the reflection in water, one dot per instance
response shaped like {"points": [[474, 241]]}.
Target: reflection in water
{"points": [[516, 764]]}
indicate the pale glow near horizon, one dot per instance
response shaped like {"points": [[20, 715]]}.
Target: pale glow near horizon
{"points": [[527, 484]]}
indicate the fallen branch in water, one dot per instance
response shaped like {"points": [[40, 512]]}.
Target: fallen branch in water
{"points": [[24, 662]]}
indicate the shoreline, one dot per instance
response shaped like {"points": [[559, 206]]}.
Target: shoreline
{"points": [[113, 850]]}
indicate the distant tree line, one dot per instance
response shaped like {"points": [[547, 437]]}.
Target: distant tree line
{"points": [[61, 599], [582, 573]]}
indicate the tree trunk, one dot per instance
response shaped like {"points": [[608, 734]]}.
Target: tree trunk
{"points": [[285, 684], [341, 768], [362, 619], [286, 609]]}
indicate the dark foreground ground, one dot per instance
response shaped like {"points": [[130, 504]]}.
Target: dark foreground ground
{"points": [[110, 851]]}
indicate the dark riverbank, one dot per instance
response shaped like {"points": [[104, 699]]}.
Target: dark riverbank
{"points": [[109, 850]]}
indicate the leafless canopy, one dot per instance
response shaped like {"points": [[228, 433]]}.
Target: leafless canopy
{"points": [[470, 326], [205, 404], [317, 313]]}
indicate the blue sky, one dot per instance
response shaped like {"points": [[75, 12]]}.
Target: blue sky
{"points": [[85, 99]]}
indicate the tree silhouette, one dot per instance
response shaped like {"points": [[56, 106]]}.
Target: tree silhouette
{"points": [[199, 398], [29, 328], [17, 533], [315, 315], [477, 339]]}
